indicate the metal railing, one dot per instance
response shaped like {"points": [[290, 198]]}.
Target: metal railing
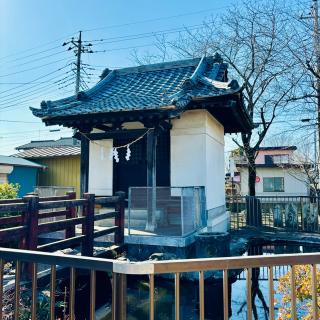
{"points": [[120, 270], [167, 211], [294, 213], [53, 191]]}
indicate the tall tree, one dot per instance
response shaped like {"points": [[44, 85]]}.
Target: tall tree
{"points": [[250, 38]]}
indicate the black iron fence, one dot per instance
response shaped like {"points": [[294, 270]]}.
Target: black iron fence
{"points": [[294, 213]]}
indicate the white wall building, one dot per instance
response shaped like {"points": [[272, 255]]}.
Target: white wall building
{"points": [[173, 116], [277, 174]]}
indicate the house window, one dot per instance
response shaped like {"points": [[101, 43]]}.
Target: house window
{"points": [[276, 159], [273, 184], [281, 158]]}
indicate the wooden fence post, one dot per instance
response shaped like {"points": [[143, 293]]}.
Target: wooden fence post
{"points": [[119, 296], [30, 241], [88, 225], [72, 213], [30, 220], [119, 218]]}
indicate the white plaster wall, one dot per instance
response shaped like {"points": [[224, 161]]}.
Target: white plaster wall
{"points": [[294, 182], [100, 167], [215, 166], [197, 155]]}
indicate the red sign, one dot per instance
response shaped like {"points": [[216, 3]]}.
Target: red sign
{"points": [[257, 179]]}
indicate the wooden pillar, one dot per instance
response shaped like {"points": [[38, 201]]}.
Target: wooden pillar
{"points": [[151, 179], [84, 165]]}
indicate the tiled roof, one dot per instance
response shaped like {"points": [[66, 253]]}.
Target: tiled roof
{"points": [[65, 141], [49, 152], [147, 88], [18, 162], [278, 148]]}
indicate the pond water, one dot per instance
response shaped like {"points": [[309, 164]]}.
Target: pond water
{"points": [[138, 291]]}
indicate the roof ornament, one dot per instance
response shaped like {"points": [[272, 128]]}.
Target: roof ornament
{"points": [[198, 72], [81, 96], [104, 73], [217, 58], [233, 84], [48, 104], [45, 104]]}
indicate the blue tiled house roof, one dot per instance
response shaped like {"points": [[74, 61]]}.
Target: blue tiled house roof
{"points": [[165, 86]]}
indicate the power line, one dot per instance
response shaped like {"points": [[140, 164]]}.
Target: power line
{"points": [[32, 93], [149, 34], [11, 134], [37, 59], [36, 79], [156, 19], [18, 121], [16, 94], [36, 47], [25, 101], [19, 105], [43, 65]]}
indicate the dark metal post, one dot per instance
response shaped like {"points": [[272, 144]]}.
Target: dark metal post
{"points": [[119, 218], [88, 225], [151, 178], [71, 213], [84, 165]]}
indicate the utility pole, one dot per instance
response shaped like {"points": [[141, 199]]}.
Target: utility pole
{"points": [[78, 65], [315, 15], [78, 47]]}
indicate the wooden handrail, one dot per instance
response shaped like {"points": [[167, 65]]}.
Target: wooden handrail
{"points": [[61, 203], [53, 226], [12, 207], [27, 226], [11, 220], [159, 267], [120, 270]]}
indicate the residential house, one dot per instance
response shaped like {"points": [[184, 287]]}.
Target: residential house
{"points": [[25, 173], [278, 173], [61, 158], [163, 125]]}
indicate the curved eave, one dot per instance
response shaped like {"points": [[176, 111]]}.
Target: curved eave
{"points": [[92, 119]]}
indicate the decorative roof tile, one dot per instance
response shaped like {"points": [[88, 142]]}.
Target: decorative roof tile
{"points": [[147, 87]]}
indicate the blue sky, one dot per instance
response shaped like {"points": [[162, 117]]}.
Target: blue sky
{"points": [[31, 37], [28, 28]]}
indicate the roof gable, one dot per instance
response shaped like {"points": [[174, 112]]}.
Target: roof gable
{"points": [[146, 87]]}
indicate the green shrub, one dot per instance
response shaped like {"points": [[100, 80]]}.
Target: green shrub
{"points": [[9, 190]]}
